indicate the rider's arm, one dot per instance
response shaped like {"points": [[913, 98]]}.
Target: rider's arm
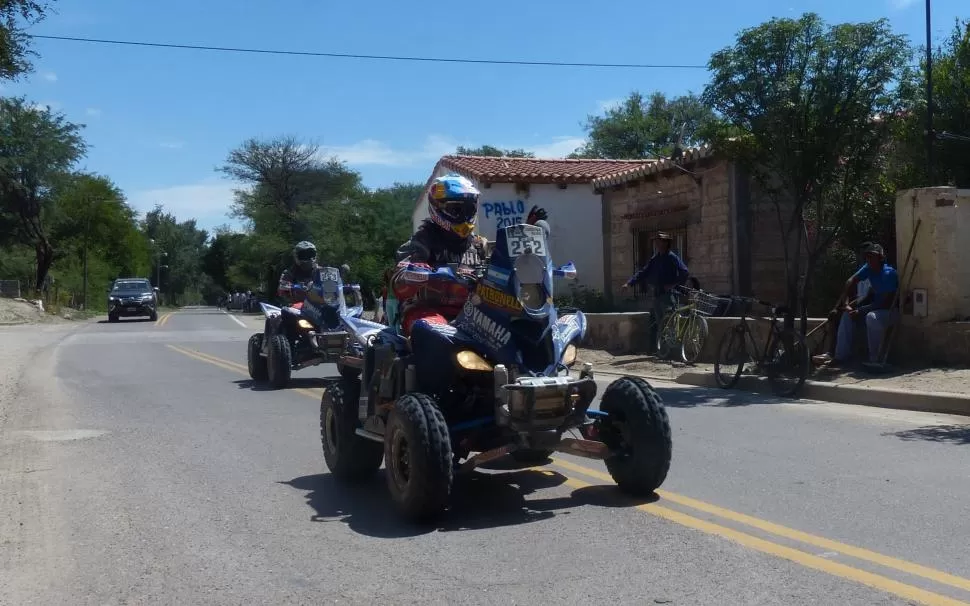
{"points": [[286, 284]]}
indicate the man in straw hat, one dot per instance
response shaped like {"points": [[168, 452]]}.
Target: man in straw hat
{"points": [[664, 272]]}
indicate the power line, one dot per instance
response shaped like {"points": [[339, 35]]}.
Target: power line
{"points": [[263, 51]]}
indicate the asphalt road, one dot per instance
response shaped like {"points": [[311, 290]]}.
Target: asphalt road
{"points": [[139, 465]]}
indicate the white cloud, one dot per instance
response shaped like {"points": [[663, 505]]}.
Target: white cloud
{"points": [[93, 112], [901, 4], [371, 152], [42, 105], [49, 76], [172, 144], [209, 202], [606, 104], [560, 147]]}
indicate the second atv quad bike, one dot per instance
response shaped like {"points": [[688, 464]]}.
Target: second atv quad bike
{"points": [[308, 333], [496, 381]]}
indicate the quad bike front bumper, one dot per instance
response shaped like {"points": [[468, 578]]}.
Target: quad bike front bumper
{"points": [[539, 409]]}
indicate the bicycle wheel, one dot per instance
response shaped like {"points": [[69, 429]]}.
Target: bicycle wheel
{"points": [[788, 363], [694, 338], [667, 337], [732, 353]]}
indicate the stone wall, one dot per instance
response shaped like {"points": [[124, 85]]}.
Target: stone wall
{"points": [[733, 244], [938, 269], [673, 202]]}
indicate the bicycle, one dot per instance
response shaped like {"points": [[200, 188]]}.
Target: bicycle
{"points": [[784, 351], [686, 325]]}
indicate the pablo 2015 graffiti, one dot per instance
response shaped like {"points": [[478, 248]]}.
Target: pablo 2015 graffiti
{"points": [[505, 213]]}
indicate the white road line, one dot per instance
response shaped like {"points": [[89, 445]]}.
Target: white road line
{"points": [[235, 319]]}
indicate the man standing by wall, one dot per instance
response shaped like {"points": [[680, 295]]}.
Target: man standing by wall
{"points": [[664, 271]]}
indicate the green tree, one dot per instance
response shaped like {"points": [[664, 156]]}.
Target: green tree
{"points": [[293, 194], [36, 147], [489, 150], [14, 41], [646, 128], [810, 110], [95, 235], [951, 115], [184, 245]]}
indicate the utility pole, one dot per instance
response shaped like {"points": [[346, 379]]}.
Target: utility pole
{"points": [[930, 135], [84, 255], [158, 255]]}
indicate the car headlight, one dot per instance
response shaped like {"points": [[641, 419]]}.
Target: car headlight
{"points": [[469, 360], [569, 356]]}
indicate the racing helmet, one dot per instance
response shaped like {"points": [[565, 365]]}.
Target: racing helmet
{"points": [[453, 204], [304, 253]]}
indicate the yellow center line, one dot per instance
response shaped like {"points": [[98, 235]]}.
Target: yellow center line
{"points": [[238, 368], [789, 553], [163, 319], [790, 533], [794, 555]]}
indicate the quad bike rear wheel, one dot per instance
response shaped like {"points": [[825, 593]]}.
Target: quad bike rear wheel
{"points": [[349, 456], [418, 457], [637, 432], [255, 360], [280, 361]]}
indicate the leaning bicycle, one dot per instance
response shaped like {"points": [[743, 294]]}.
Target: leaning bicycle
{"points": [[685, 327], [784, 360]]}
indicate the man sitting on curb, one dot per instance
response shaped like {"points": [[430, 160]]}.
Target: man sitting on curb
{"points": [[863, 297], [883, 284], [664, 271]]}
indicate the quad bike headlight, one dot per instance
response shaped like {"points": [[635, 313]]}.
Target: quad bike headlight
{"points": [[304, 324], [569, 356], [469, 360]]}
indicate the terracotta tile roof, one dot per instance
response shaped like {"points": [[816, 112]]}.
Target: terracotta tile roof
{"points": [[637, 172], [490, 169]]}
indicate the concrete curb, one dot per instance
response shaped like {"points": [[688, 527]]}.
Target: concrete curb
{"points": [[901, 399], [597, 371]]}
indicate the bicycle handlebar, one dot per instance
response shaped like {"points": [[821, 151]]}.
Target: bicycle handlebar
{"points": [[775, 309]]}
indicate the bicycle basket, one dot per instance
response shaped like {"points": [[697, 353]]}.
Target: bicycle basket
{"points": [[704, 303]]}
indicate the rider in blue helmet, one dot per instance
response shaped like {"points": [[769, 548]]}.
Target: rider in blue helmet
{"points": [[446, 236]]}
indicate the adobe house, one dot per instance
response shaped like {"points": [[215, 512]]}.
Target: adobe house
{"points": [[512, 186], [727, 236]]}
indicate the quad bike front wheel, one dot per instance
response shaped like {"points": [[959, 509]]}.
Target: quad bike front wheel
{"points": [[637, 432], [279, 362], [348, 456], [348, 372], [255, 360], [418, 457]]}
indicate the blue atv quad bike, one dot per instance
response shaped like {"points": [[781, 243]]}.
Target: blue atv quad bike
{"points": [[308, 333], [496, 381]]}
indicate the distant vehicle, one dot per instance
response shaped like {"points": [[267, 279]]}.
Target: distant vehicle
{"points": [[132, 297]]}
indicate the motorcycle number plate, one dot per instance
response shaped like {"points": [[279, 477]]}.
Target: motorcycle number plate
{"points": [[522, 238]]}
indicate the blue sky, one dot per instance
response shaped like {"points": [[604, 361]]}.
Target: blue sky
{"points": [[159, 120]]}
